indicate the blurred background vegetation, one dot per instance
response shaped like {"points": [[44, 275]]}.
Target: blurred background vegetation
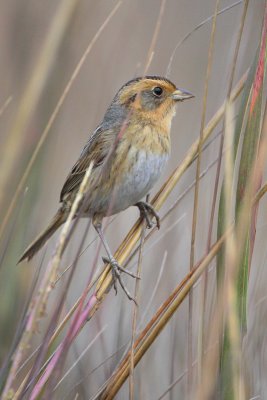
{"points": [[119, 54]]}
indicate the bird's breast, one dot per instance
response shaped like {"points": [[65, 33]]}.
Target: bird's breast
{"points": [[135, 166], [136, 178]]}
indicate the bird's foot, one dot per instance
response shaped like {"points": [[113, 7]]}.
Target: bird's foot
{"points": [[116, 270], [146, 211]]}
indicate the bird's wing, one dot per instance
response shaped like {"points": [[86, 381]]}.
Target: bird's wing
{"points": [[96, 150]]}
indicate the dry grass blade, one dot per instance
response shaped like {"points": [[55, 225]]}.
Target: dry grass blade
{"points": [[5, 105], [196, 196], [167, 309], [158, 322], [137, 286], [38, 304], [135, 311], [215, 192], [150, 53], [201, 135]]}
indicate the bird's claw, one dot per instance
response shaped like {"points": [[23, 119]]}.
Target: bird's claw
{"points": [[116, 270], [146, 210]]}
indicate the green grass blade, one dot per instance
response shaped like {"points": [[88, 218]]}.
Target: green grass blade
{"points": [[249, 120], [238, 129], [249, 154]]}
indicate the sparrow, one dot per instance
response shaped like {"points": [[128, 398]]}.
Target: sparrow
{"points": [[129, 151]]}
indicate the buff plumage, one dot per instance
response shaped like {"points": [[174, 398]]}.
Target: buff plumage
{"points": [[129, 150]]}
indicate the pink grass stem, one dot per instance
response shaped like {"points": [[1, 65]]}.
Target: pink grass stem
{"points": [[75, 328]]}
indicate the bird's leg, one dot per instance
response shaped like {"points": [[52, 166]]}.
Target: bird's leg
{"points": [[115, 267], [121, 269], [146, 210]]}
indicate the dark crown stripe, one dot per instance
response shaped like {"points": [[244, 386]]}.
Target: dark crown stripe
{"points": [[152, 77]]}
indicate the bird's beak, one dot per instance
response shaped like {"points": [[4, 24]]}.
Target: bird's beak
{"points": [[181, 94]]}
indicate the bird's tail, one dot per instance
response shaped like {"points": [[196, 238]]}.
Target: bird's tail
{"points": [[39, 242]]}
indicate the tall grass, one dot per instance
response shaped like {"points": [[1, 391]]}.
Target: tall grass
{"points": [[73, 337]]}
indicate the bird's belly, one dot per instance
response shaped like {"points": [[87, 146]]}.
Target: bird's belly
{"points": [[138, 180]]}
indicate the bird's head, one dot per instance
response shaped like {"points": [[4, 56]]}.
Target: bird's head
{"points": [[152, 96]]}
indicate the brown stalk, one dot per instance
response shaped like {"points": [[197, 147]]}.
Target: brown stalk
{"points": [[196, 195], [158, 322], [216, 183], [137, 286], [135, 311], [167, 309], [38, 304], [164, 313]]}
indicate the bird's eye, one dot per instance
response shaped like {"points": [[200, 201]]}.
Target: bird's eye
{"points": [[157, 91]]}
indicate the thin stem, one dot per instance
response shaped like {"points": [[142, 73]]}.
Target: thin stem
{"points": [[196, 196]]}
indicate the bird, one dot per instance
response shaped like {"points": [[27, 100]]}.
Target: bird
{"points": [[128, 151]]}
